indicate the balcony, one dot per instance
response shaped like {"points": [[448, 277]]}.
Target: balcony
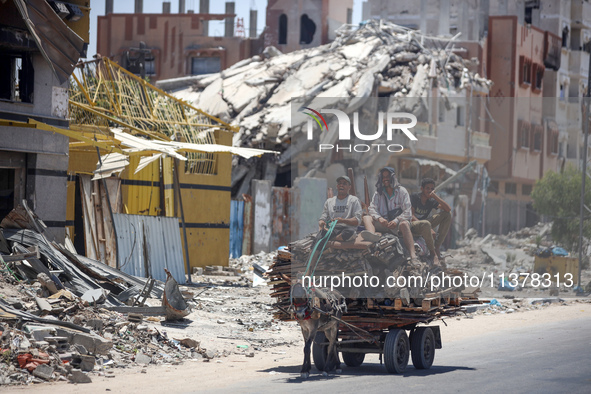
{"points": [[479, 138], [552, 51], [421, 128], [579, 63], [580, 13]]}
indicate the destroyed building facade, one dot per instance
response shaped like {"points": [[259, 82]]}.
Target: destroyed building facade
{"points": [[38, 48], [548, 44], [116, 133], [167, 45], [375, 60], [299, 24]]}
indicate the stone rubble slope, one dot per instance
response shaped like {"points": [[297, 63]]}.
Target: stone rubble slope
{"points": [[376, 58]]}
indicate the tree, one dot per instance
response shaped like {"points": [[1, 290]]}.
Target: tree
{"points": [[558, 197]]}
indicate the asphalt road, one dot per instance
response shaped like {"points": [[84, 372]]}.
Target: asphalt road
{"points": [[544, 358]]}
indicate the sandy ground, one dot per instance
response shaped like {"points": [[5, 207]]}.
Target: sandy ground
{"points": [[282, 354]]}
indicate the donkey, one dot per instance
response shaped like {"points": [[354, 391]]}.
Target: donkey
{"points": [[315, 311]]}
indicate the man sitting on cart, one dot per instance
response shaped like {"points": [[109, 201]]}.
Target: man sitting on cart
{"points": [[422, 223], [389, 211], [346, 210]]}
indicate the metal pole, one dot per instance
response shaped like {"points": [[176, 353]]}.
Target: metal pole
{"points": [[451, 179], [177, 188], [584, 174]]}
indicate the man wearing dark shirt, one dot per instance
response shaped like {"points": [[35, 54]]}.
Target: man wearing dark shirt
{"points": [[422, 205]]}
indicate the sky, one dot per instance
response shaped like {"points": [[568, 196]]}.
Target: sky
{"points": [[216, 28]]}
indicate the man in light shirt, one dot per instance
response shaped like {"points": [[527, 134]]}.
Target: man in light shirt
{"points": [[345, 209], [389, 211]]}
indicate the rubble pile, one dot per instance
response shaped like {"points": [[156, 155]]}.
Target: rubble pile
{"points": [[59, 316], [246, 263], [377, 56], [376, 59], [513, 253], [35, 259], [34, 352]]}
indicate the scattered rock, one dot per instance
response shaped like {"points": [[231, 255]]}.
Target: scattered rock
{"points": [[142, 359], [79, 377]]}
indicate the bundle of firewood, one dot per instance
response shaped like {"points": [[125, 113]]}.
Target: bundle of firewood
{"points": [[384, 258]]}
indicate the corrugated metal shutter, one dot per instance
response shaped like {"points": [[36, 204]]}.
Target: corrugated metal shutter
{"points": [[148, 244], [236, 228]]}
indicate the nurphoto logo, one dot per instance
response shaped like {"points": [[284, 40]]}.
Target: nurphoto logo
{"points": [[391, 122]]}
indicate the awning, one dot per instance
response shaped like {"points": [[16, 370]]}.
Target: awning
{"points": [[140, 145], [426, 162], [111, 163]]}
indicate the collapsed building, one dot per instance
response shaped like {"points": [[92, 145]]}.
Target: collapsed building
{"points": [[38, 48], [375, 61]]}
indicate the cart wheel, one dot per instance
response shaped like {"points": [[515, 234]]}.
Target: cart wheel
{"points": [[353, 359], [422, 348], [396, 351], [319, 352]]}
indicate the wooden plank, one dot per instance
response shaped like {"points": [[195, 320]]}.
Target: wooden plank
{"points": [[144, 310], [90, 236], [114, 191], [99, 221]]}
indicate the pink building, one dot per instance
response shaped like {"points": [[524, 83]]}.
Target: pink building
{"points": [[297, 24], [176, 45], [524, 138]]}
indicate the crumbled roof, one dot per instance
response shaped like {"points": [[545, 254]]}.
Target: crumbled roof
{"points": [[378, 57]]}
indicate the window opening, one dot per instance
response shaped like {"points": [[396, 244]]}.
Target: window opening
{"points": [[307, 29]]}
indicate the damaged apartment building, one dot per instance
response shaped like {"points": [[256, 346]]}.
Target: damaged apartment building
{"points": [[536, 53], [376, 60], [173, 45], [40, 41]]}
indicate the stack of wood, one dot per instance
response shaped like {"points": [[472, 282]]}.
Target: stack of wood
{"points": [[384, 258], [279, 270]]}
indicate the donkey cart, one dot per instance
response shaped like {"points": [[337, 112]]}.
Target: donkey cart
{"points": [[393, 324], [386, 336]]}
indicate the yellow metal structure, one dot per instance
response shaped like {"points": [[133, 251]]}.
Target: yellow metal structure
{"points": [[560, 265], [102, 96]]}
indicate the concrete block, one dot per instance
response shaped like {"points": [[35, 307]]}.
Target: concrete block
{"points": [[197, 270], [474, 308], [80, 349], [43, 371], [61, 343], [96, 324], [39, 333], [93, 343], [82, 362], [66, 357], [79, 377]]}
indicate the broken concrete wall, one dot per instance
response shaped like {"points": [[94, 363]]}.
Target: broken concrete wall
{"points": [[46, 185], [309, 198], [262, 216], [282, 215], [47, 153], [282, 210]]}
